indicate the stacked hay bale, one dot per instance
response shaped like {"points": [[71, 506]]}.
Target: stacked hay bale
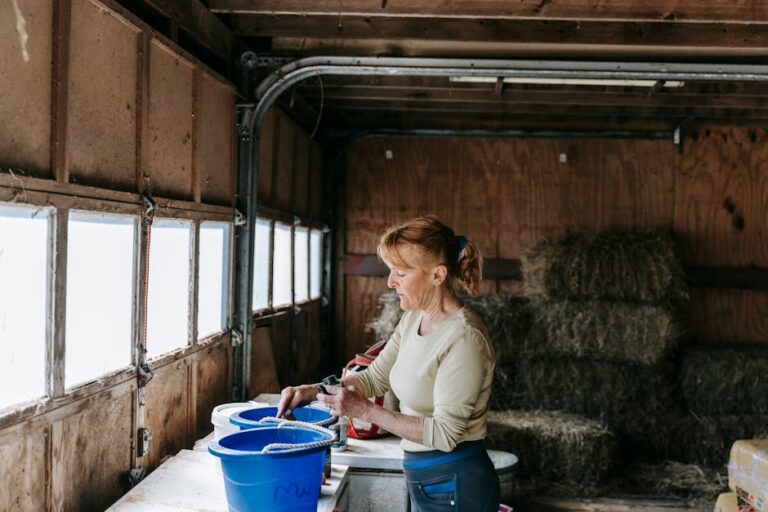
{"points": [[604, 327]]}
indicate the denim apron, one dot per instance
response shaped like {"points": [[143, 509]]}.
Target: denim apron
{"points": [[463, 480]]}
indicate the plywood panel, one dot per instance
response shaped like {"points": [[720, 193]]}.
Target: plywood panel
{"points": [[729, 315], [23, 472], [101, 124], [282, 185], [263, 370], [281, 348], [216, 124], [96, 453], [315, 180], [721, 204], [168, 156], [301, 174], [25, 89], [308, 343], [167, 412], [213, 384], [266, 155], [362, 295]]}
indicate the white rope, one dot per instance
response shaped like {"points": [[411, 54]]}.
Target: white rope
{"points": [[273, 419], [290, 447]]}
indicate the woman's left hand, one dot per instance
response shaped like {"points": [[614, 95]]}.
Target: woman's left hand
{"points": [[345, 402]]}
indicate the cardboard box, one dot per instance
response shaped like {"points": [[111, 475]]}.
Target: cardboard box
{"points": [[748, 472]]}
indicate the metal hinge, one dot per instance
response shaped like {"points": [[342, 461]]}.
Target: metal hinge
{"points": [[235, 337], [135, 476], [144, 437], [145, 374], [239, 218]]}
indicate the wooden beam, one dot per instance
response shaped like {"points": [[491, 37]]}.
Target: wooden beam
{"points": [[203, 26], [751, 278], [654, 33], [62, 25], [715, 10], [500, 109], [415, 47], [523, 96]]}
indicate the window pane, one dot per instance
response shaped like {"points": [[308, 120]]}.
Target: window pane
{"points": [[316, 264], [301, 264], [168, 306], [282, 265], [212, 290], [99, 295], [261, 253], [23, 291]]}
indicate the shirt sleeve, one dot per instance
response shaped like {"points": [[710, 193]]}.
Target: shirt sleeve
{"points": [[374, 380], [458, 383]]}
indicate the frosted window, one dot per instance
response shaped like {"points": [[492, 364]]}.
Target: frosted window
{"points": [[23, 291], [100, 290], [316, 264], [282, 266], [213, 278], [301, 264], [168, 306], [261, 251]]}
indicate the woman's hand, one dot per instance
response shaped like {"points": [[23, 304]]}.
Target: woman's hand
{"points": [[294, 396], [345, 402]]}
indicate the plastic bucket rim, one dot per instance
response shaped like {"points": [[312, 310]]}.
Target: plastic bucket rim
{"points": [[216, 449], [244, 423]]}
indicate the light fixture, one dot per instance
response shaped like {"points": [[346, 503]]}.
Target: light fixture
{"points": [[612, 82]]}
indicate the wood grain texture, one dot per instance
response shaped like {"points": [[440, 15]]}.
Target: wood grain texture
{"points": [[282, 185], [281, 348], [168, 154], [95, 454], [267, 155], [213, 384], [301, 174], [721, 203], [167, 412], [263, 370], [25, 89], [362, 295], [215, 124], [23, 472], [728, 316], [102, 112], [315, 180]]}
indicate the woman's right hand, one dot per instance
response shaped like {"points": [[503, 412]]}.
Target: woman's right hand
{"points": [[293, 396]]}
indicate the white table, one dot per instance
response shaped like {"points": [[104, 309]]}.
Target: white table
{"points": [[191, 481]]}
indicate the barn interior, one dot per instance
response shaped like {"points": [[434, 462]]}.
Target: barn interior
{"points": [[143, 124]]}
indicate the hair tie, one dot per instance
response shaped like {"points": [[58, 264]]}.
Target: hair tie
{"points": [[462, 241]]}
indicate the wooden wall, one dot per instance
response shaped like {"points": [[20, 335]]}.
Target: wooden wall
{"points": [[103, 101], [286, 343], [507, 194]]}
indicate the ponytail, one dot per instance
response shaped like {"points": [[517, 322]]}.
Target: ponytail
{"points": [[470, 268]]}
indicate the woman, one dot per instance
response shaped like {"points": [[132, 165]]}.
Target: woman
{"points": [[438, 363]]}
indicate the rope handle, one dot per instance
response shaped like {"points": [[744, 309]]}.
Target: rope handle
{"points": [[281, 423], [273, 419]]}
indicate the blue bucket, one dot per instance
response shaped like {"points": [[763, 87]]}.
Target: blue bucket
{"points": [[278, 481], [250, 418]]}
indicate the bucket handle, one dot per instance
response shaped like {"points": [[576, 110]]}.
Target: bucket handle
{"points": [[323, 423], [288, 447]]}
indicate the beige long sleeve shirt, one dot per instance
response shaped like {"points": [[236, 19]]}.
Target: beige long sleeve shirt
{"points": [[444, 376]]}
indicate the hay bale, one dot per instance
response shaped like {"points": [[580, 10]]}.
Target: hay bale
{"points": [[507, 317], [698, 486], [687, 438], [623, 266], [553, 446], [385, 322], [508, 320], [601, 330], [597, 389], [718, 381]]}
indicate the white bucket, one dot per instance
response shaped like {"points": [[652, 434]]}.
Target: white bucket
{"points": [[505, 464], [221, 414]]}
